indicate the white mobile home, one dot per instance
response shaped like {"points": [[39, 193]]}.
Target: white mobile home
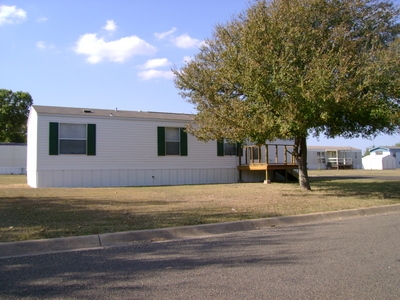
{"points": [[333, 157], [12, 158], [74, 147]]}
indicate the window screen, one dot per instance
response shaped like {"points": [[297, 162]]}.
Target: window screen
{"points": [[172, 141], [72, 138]]}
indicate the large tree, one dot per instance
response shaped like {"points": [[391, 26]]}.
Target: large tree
{"points": [[290, 69], [14, 110]]}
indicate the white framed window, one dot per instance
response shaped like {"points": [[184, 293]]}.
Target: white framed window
{"points": [[72, 138], [229, 147], [172, 141], [226, 147], [67, 138]]}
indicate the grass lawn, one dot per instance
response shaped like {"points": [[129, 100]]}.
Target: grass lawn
{"points": [[27, 213]]}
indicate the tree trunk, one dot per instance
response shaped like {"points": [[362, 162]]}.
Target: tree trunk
{"points": [[300, 153]]}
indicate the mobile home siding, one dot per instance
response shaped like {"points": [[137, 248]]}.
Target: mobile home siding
{"points": [[12, 158], [32, 148]]}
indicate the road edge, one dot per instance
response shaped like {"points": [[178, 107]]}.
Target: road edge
{"points": [[36, 247]]}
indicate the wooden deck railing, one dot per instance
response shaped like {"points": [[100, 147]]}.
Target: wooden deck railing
{"points": [[335, 162], [268, 155]]}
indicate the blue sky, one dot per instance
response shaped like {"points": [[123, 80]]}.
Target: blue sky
{"points": [[108, 54]]}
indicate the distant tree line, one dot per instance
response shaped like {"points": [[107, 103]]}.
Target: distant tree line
{"points": [[14, 111]]}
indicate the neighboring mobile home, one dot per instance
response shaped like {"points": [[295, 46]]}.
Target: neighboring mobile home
{"points": [[12, 158], [75, 147], [333, 157], [382, 158]]}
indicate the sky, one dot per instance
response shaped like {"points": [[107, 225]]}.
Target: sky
{"points": [[114, 54]]}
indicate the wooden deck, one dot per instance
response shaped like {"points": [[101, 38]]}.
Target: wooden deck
{"points": [[267, 167], [275, 160]]}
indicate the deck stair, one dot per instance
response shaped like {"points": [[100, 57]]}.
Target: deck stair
{"points": [[286, 175]]}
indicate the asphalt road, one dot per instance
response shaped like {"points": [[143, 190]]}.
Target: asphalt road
{"points": [[356, 258]]}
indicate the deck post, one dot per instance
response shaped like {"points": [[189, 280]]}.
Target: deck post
{"points": [[285, 159], [267, 180], [240, 171], [337, 159]]}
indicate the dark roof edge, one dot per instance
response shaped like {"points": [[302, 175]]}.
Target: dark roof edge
{"points": [[41, 109], [385, 147]]}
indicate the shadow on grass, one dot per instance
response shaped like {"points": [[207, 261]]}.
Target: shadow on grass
{"points": [[360, 189], [25, 219]]}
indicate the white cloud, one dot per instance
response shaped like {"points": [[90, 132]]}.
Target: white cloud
{"points": [[43, 45], [163, 35], [97, 49], [156, 63], [11, 15], [41, 20], [154, 74], [185, 41], [110, 25]]}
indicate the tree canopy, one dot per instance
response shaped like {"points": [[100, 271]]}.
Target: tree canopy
{"points": [[290, 69], [14, 110]]}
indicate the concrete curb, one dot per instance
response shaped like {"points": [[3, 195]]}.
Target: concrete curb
{"points": [[35, 247]]}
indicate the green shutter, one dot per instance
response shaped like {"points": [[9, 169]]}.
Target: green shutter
{"points": [[183, 144], [53, 139], [161, 141], [239, 149], [220, 148], [91, 139]]}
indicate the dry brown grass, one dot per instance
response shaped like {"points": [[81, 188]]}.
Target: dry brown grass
{"points": [[27, 213]]}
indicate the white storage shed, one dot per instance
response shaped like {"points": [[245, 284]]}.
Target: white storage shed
{"points": [[382, 158], [374, 162], [387, 150]]}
